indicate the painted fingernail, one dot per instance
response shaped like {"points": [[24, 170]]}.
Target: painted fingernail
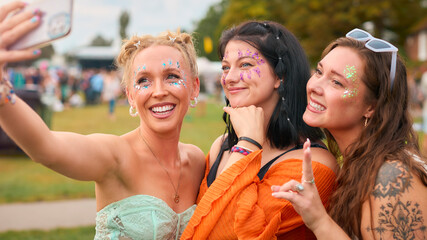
{"points": [[37, 52], [37, 10], [35, 19]]}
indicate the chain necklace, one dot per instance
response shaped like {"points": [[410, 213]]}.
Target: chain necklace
{"points": [[176, 198]]}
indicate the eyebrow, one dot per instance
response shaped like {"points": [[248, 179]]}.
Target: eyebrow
{"points": [[334, 72], [240, 58]]}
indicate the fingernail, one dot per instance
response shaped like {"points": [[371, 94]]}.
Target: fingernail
{"points": [[35, 19], [37, 10], [37, 52]]}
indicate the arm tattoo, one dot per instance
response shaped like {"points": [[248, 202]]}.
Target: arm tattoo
{"points": [[402, 219], [393, 178]]}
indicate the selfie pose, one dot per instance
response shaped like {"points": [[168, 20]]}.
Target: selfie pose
{"points": [[265, 71], [146, 181], [359, 95]]}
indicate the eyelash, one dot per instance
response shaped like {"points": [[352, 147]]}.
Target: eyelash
{"points": [[245, 64]]}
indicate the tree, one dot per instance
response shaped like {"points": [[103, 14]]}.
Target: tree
{"points": [[317, 22], [100, 41], [208, 27], [124, 22]]}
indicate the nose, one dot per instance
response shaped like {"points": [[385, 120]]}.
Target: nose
{"points": [[314, 85], [232, 76], [159, 89]]}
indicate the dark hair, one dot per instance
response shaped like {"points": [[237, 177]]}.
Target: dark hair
{"points": [[388, 136], [286, 56]]}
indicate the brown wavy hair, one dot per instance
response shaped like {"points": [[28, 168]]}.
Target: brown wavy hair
{"points": [[388, 136], [181, 41]]}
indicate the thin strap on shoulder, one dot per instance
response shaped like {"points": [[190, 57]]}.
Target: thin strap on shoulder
{"points": [[267, 166], [212, 172]]}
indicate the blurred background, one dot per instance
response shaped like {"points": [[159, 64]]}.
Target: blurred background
{"points": [[74, 82]]}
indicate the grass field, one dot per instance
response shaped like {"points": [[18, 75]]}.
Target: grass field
{"points": [[83, 233], [22, 180]]}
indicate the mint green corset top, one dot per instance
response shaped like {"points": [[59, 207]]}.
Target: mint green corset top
{"points": [[141, 217]]}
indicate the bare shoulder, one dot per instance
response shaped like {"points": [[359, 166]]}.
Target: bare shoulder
{"points": [[215, 147], [399, 204], [193, 154], [324, 157], [318, 154]]}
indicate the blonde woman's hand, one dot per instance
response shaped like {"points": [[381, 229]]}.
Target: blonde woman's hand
{"points": [[304, 196], [14, 27], [248, 122]]}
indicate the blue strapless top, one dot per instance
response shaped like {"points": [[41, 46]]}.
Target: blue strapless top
{"points": [[141, 217]]}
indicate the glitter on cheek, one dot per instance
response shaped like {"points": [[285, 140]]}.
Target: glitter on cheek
{"points": [[241, 77], [170, 62], [249, 74], [224, 76], [177, 64], [164, 65], [350, 73], [257, 71]]}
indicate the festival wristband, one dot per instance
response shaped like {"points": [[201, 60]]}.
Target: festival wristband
{"points": [[251, 141], [242, 150], [7, 94]]}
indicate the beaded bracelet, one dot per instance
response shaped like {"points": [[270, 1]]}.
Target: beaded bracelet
{"points": [[242, 150], [7, 94], [251, 141]]}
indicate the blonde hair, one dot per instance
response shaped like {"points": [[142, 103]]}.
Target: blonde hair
{"points": [[131, 47]]}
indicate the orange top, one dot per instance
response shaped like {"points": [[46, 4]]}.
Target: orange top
{"points": [[238, 205]]}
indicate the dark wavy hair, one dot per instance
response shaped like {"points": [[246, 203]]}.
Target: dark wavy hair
{"points": [[388, 136], [285, 55]]}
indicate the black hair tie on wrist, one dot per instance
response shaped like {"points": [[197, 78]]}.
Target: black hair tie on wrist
{"points": [[251, 141]]}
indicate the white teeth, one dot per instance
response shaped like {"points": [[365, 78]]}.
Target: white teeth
{"points": [[162, 109], [317, 106]]}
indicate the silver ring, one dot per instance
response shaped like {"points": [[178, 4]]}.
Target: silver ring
{"points": [[311, 181], [299, 187]]}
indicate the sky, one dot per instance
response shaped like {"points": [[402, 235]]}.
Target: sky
{"points": [[101, 17]]}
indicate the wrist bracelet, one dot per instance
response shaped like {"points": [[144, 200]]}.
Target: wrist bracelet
{"points": [[242, 150], [251, 141], [7, 94]]}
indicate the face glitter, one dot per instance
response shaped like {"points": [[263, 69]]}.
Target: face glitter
{"points": [[249, 74], [257, 71], [350, 74]]}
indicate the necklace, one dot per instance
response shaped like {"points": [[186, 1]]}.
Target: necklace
{"points": [[176, 197]]}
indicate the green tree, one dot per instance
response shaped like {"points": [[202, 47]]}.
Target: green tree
{"points": [[317, 22], [209, 27], [124, 22], [100, 41]]}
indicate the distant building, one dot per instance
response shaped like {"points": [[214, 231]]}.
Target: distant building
{"points": [[416, 43]]}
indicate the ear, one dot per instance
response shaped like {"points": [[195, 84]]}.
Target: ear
{"points": [[369, 111], [130, 96], [196, 88], [277, 83]]}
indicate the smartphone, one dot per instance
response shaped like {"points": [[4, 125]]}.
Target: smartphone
{"points": [[56, 19]]}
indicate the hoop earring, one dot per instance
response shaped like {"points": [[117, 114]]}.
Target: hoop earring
{"points": [[366, 122], [193, 104], [132, 113]]}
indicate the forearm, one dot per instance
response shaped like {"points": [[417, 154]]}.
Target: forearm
{"points": [[327, 229], [25, 127]]}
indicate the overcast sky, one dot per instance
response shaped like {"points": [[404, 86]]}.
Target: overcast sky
{"points": [[93, 17]]}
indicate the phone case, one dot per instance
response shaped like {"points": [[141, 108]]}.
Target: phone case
{"points": [[55, 23]]}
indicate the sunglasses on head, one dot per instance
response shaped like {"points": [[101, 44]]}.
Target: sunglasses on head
{"points": [[376, 45]]}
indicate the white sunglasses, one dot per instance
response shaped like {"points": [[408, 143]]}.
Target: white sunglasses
{"points": [[376, 45]]}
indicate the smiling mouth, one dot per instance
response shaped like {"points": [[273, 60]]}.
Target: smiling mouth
{"points": [[163, 109], [317, 106]]}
